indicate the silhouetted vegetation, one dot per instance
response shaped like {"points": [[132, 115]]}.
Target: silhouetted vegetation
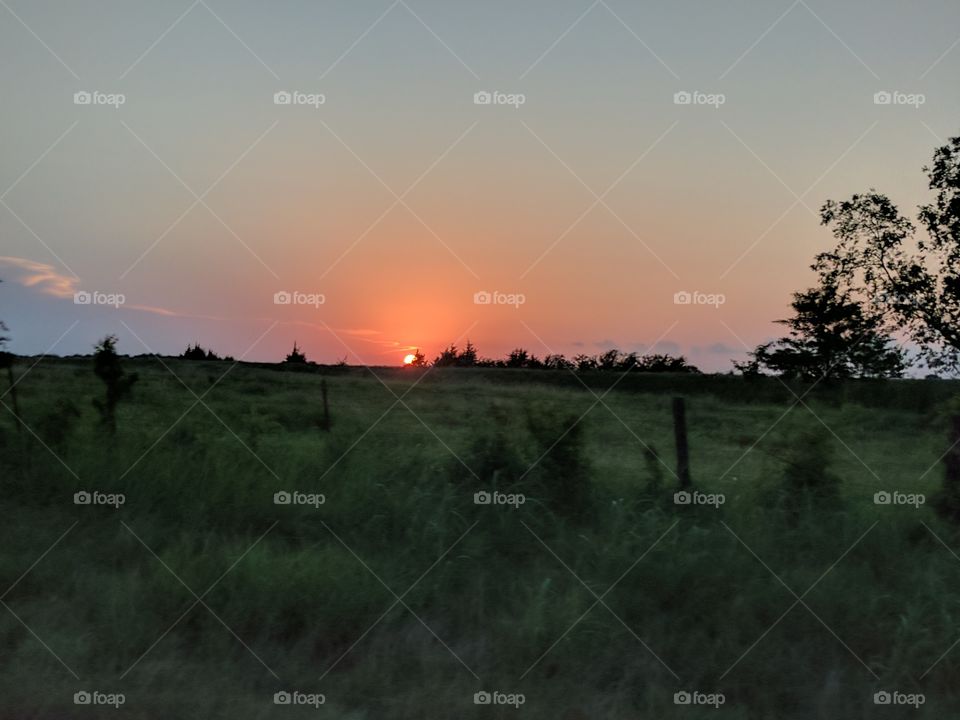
{"points": [[830, 337], [195, 352], [419, 359], [108, 367], [916, 293], [295, 356], [610, 360]]}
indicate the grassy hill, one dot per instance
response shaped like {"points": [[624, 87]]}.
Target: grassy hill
{"points": [[398, 596]]}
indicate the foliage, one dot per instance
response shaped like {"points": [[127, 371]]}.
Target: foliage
{"points": [[108, 367], [916, 291], [296, 356], [419, 359], [830, 337], [195, 352], [610, 360], [291, 580]]}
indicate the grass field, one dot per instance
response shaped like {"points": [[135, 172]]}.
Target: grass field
{"points": [[399, 597]]}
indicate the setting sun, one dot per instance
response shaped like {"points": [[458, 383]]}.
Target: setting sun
{"points": [[408, 359]]}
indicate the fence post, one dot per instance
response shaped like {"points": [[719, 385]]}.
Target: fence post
{"points": [[680, 436]]}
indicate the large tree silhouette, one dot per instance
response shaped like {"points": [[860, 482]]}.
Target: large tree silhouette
{"points": [[830, 337], [912, 286]]}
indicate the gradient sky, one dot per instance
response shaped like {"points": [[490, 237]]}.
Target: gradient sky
{"points": [[496, 198]]}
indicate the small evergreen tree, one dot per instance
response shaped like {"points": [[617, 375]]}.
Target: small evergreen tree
{"points": [[107, 367], [296, 356], [419, 359], [447, 358], [467, 358]]}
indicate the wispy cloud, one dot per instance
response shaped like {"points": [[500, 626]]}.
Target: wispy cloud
{"points": [[47, 280], [40, 276]]}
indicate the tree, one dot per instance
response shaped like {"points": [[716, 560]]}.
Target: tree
{"points": [[916, 292], [830, 337], [107, 367], [467, 358], [520, 358], [419, 360], [665, 363], [585, 362], [447, 357], [557, 362], [609, 360], [296, 356], [195, 352]]}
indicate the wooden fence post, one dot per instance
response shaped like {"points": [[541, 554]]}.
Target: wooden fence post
{"points": [[680, 436]]}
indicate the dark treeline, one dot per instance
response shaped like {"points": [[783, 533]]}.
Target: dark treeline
{"points": [[613, 360], [195, 352]]}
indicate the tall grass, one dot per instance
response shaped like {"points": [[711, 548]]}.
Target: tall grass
{"points": [[690, 599]]}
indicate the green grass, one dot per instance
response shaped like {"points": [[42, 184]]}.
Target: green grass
{"points": [[698, 595]]}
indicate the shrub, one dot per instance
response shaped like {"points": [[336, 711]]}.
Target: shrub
{"points": [[107, 367]]}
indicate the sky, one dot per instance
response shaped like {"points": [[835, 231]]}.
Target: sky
{"points": [[519, 174]]}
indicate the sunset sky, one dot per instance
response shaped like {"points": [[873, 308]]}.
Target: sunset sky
{"points": [[397, 199]]}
